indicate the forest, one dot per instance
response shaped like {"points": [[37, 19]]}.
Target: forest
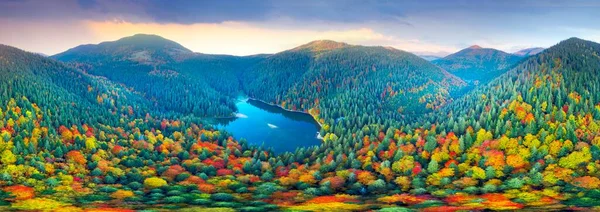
{"points": [[120, 126]]}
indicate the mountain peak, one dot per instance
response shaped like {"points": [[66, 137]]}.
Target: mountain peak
{"points": [[150, 41], [322, 45], [575, 46], [574, 39], [476, 64]]}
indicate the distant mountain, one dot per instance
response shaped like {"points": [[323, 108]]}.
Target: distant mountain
{"points": [[529, 51], [476, 64], [338, 79], [142, 48], [168, 74], [430, 57]]}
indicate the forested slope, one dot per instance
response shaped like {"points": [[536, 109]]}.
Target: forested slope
{"points": [[171, 76], [478, 65], [530, 138], [358, 84], [76, 97]]}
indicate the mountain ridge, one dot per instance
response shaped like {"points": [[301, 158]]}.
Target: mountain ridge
{"points": [[476, 64]]}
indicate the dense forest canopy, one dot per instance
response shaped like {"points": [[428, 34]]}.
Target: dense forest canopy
{"points": [[120, 122]]}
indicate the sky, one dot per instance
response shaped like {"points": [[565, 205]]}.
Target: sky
{"points": [[245, 27]]}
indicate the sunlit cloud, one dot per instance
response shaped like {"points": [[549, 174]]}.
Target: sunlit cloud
{"points": [[239, 38]]}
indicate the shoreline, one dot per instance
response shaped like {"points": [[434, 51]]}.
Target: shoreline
{"points": [[294, 111]]}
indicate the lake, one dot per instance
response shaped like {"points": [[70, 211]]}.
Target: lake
{"points": [[260, 123]]}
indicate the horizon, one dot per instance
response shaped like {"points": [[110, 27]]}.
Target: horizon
{"points": [[475, 46], [267, 27]]}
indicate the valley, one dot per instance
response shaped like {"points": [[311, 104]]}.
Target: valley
{"points": [[137, 123]]}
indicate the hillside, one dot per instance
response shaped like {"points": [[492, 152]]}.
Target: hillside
{"points": [[561, 78], [166, 73], [536, 125], [336, 80], [529, 138], [477, 65], [53, 86], [175, 79]]}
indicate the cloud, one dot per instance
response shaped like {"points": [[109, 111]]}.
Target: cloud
{"points": [[241, 27], [240, 38]]}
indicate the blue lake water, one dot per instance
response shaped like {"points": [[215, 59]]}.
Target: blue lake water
{"points": [[263, 124]]}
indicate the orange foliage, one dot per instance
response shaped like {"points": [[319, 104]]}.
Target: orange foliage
{"points": [[402, 198], [76, 156], [20, 192], [206, 188], [494, 158], [515, 161], [333, 198], [586, 182], [173, 171], [335, 182], [365, 177]]}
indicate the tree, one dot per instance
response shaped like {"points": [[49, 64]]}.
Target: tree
{"points": [[8, 157], [154, 182]]}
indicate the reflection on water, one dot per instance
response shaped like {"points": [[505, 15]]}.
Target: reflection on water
{"points": [[260, 123]]}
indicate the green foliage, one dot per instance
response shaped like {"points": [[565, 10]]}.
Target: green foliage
{"points": [[533, 129]]}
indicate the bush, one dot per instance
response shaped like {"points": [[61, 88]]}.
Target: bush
{"points": [[156, 190], [135, 185], [312, 191], [227, 204], [93, 198], [201, 202], [182, 177], [471, 190], [241, 190], [251, 209], [156, 196], [489, 188], [154, 182], [395, 209], [174, 199], [174, 193], [225, 197], [107, 189], [267, 188]]}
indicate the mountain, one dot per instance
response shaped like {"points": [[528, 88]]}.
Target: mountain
{"points": [[430, 57], [141, 48], [332, 80], [537, 125], [176, 79], [546, 88], [529, 51], [528, 139], [476, 64], [51, 85], [166, 73]]}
